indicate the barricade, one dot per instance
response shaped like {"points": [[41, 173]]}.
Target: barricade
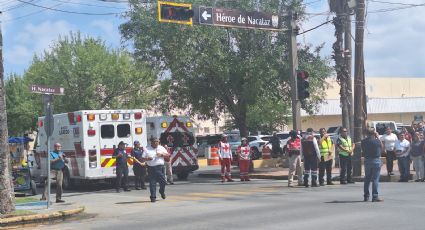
{"points": [[266, 152], [213, 158]]}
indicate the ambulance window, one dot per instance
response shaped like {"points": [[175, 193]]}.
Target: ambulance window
{"points": [[123, 130], [107, 131]]}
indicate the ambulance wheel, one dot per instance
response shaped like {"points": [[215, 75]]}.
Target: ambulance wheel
{"points": [[182, 175], [33, 188], [67, 181]]}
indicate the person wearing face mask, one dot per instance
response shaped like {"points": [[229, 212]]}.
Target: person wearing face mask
{"points": [[402, 153]]}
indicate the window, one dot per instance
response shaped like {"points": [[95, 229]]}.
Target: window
{"points": [[252, 139], [107, 131], [206, 130], [266, 138], [123, 130]]}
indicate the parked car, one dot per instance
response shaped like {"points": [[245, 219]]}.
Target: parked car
{"points": [[381, 126], [203, 142], [256, 143]]}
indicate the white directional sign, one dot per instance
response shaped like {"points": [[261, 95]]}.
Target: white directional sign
{"points": [[241, 19]]}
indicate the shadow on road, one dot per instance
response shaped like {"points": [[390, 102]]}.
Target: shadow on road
{"points": [[344, 201], [134, 202]]}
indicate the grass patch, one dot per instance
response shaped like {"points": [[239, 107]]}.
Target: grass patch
{"points": [[17, 213], [20, 200]]}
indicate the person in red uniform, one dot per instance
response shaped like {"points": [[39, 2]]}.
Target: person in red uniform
{"points": [[244, 153], [225, 155], [294, 150]]}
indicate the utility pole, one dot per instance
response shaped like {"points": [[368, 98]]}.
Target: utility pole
{"points": [[7, 197], [293, 64], [348, 59], [359, 89]]}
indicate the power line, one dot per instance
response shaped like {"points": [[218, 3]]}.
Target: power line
{"points": [[86, 4], [67, 11], [324, 23], [30, 14], [396, 3]]}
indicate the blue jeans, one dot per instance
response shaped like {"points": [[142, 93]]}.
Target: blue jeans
{"points": [[404, 167], [372, 174], [156, 174]]}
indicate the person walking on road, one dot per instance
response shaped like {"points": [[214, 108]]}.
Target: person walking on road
{"points": [[372, 148], [294, 153], [154, 157], [417, 156], [57, 164], [225, 155], [345, 150], [402, 153], [389, 139], [311, 154], [244, 153], [326, 157], [122, 168], [139, 166]]}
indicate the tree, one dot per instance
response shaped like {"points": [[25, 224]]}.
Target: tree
{"points": [[213, 70], [94, 77], [7, 198], [21, 108]]}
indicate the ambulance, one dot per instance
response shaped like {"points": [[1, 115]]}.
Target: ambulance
{"points": [[88, 139], [177, 134]]}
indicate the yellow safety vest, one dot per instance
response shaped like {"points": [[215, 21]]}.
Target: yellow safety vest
{"points": [[325, 147], [346, 144]]}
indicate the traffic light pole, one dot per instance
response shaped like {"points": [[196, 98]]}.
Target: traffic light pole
{"points": [[293, 62]]}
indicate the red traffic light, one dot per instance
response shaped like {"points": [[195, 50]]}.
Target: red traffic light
{"points": [[180, 13]]}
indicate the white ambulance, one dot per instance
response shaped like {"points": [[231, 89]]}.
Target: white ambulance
{"points": [[88, 139], [177, 134]]}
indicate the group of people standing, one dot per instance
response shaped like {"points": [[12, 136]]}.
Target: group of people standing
{"points": [[149, 161], [405, 147]]}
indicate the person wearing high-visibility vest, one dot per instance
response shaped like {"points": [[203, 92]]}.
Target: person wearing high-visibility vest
{"points": [[345, 149], [244, 153], [294, 150], [225, 155], [326, 159]]}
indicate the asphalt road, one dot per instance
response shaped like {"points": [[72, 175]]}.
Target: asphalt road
{"points": [[259, 204]]}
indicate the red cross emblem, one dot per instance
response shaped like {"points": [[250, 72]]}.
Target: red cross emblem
{"points": [[185, 139], [246, 151], [226, 147], [170, 139]]}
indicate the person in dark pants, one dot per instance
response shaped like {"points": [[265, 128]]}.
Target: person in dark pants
{"points": [[389, 140], [276, 149], [154, 156], [57, 164], [326, 159], [311, 154], [371, 148], [345, 150], [122, 168], [139, 167]]}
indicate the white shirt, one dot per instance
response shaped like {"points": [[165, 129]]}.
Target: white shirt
{"points": [[224, 150], [389, 141], [402, 148], [151, 152]]}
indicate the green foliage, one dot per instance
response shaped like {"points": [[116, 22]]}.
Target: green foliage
{"points": [[209, 70], [21, 109], [94, 77]]}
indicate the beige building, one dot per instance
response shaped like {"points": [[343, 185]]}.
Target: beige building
{"points": [[388, 99]]}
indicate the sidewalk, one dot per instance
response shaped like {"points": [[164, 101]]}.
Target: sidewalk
{"points": [[282, 173], [40, 213]]}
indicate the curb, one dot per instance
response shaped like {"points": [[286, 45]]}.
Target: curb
{"points": [[18, 220]]}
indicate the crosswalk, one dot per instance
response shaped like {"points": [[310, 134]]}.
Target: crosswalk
{"points": [[219, 194]]}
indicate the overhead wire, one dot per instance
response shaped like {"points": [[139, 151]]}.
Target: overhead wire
{"points": [[70, 12], [87, 4]]}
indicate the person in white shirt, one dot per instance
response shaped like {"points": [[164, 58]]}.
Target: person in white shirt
{"points": [[402, 152], [389, 139], [154, 157]]}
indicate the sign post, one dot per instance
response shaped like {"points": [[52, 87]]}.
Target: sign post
{"points": [[48, 122]]}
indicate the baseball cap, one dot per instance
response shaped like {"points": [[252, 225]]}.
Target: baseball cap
{"points": [[122, 143], [136, 142]]}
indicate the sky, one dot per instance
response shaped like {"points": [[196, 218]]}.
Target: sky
{"points": [[392, 46]]}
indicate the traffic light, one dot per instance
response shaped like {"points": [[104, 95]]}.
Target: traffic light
{"points": [[180, 13], [303, 85]]}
